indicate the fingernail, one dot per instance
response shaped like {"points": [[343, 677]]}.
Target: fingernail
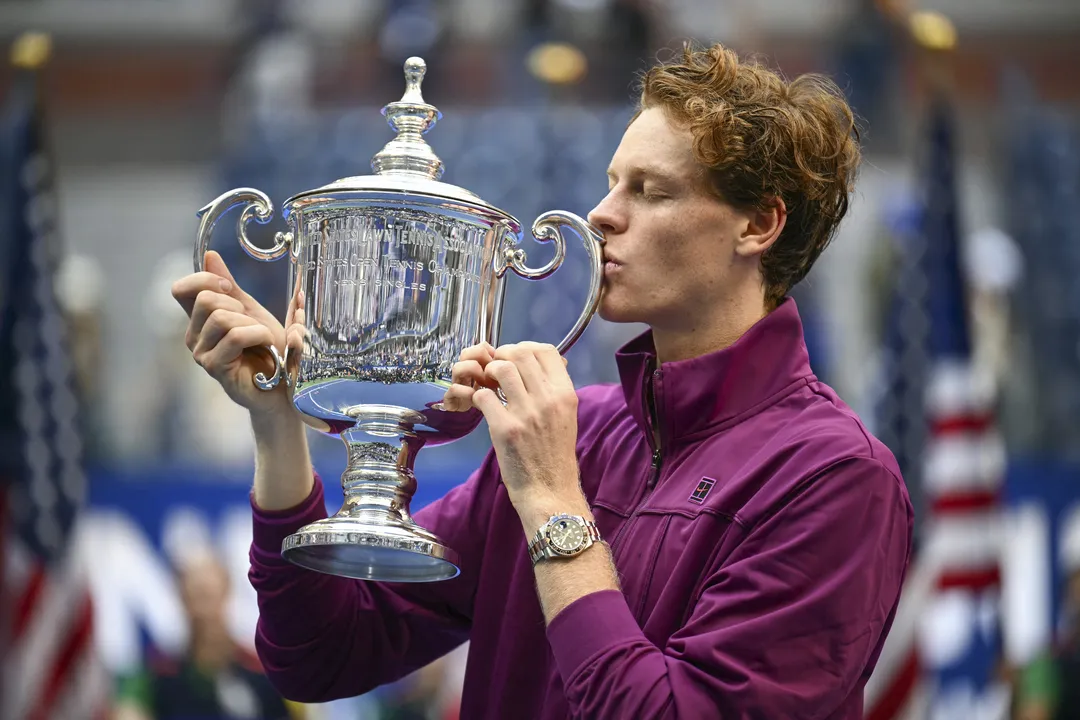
{"points": [[300, 296], [225, 285]]}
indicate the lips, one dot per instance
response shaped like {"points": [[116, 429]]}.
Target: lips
{"points": [[610, 263]]}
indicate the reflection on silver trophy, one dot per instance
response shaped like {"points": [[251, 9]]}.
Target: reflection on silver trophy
{"points": [[400, 273]]}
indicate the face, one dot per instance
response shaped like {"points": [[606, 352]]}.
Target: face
{"points": [[669, 241], [204, 589], [1073, 592]]}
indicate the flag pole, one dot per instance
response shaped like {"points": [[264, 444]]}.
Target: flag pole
{"points": [[965, 507], [29, 53], [935, 41]]}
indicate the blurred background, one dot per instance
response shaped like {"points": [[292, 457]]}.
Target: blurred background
{"points": [[946, 312]]}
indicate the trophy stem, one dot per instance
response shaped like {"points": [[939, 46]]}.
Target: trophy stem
{"points": [[373, 535], [379, 482]]}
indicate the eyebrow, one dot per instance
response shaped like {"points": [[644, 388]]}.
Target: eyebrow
{"points": [[646, 171]]}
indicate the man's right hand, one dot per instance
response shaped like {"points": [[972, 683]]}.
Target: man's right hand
{"points": [[228, 332], [227, 335]]}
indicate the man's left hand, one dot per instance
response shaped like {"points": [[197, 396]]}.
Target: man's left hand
{"points": [[535, 440], [535, 433]]}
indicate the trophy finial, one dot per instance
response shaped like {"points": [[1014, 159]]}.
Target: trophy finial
{"points": [[411, 117], [415, 69]]}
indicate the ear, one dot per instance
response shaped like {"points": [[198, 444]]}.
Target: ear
{"points": [[762, 228]]}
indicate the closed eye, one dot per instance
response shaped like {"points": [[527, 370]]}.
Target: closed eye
{"points": [[641, 184]]}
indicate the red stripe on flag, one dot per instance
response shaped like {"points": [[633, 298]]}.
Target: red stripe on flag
{"points": [[899, 691], [27, 601], [76, 643], [976, 580], [952, 424], [965, 502]]}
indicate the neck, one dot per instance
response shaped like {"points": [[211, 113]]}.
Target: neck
{"points": [[710, 334], [211, 648]]}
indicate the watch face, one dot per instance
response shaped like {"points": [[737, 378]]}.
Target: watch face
{"points": [[566, 535]]}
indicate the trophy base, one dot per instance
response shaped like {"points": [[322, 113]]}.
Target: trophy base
{"points": [[373, 535], [371, 550]]}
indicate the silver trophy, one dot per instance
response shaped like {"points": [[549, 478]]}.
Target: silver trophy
{"points": [[400, 273]]}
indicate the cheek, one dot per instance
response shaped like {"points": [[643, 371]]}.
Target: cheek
{"points": [[693, 260], [674, 244]]}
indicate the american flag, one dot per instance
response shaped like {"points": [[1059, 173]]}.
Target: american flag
{"points": [[939, 660], [50, 669]]}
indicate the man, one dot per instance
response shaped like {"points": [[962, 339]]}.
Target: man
{"points": [[1044, 689], [754, 535], [214, 678]]}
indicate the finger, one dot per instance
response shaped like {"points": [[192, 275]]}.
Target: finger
{"points": [[296, 312], [509, 380], [487, 402], [214, 263], [532, 375], [468, 372], [187, 289], [482, 353], [294, 349], [232, 345], [218, 325], [294, 340], [458, 398], [553, 364], [207, 303]]}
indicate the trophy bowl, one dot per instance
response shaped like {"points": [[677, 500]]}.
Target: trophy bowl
{"points": [[400, 273]]}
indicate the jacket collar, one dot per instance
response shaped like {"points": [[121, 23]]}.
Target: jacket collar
{"points": [[699, 393]]}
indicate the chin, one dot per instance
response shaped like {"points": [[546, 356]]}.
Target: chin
{"points": [[616, 312]]}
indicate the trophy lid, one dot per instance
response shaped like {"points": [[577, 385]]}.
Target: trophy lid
{"points": [[406, 164]]}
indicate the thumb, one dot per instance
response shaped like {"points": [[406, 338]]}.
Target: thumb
{"points": [[295, 311]]}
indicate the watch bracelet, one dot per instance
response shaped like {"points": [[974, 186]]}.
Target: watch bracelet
{"points": [[536, 547]]}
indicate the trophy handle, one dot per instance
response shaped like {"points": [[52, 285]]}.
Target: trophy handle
{"points": [[257, 206], [546, 229]]}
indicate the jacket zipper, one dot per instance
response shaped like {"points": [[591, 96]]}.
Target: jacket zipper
{"points": [[654, 476], [657, 458]]}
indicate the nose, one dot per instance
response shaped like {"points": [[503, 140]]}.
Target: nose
{"points": [[606, 216]]}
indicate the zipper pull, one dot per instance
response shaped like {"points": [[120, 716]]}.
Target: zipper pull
{"points": [[655, 474]]}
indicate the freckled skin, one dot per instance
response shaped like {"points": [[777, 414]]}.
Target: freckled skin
{"points": [[676, 241]]}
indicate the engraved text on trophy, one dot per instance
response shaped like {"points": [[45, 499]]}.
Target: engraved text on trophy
{"points": [[401, 289]]}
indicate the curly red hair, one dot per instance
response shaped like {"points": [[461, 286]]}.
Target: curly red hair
{"points": [[761, 137]]}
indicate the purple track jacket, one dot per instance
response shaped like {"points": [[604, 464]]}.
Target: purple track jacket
{"points": [[760, 549]]}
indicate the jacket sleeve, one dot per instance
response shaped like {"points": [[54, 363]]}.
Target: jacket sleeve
{"points": [[322, 637], [784, 628]]}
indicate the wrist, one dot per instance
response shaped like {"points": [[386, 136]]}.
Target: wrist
{"points": [[283, 471], [536, 509], [272, 427]]}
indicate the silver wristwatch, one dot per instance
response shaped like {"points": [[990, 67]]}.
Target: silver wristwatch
{"points": [[563, 536]]}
